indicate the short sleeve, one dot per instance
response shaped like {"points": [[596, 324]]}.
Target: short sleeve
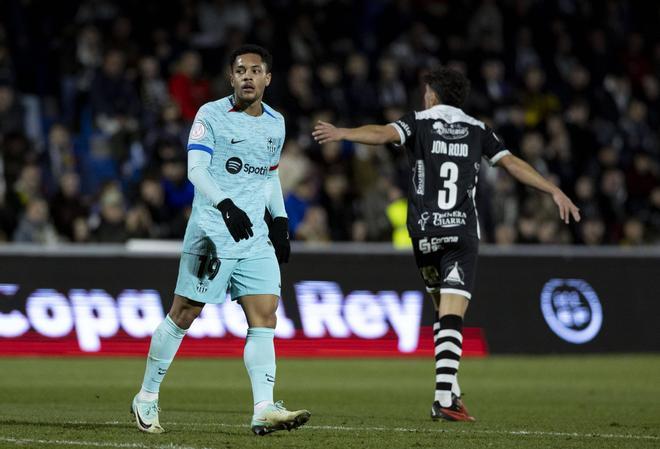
{"points": [[201, 133], [405, 126], [493, 147]]}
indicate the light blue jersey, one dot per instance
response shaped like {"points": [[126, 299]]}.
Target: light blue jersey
{"points": [[244, 149]]}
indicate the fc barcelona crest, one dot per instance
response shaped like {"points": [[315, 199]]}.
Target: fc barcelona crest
{"points": [[271, 145]]}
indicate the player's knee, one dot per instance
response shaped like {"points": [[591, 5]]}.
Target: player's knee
{"points": [[184, 313], [264, 320]]}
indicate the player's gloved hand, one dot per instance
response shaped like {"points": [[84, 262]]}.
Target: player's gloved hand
{"points": [[237, 221], [278, 233]]}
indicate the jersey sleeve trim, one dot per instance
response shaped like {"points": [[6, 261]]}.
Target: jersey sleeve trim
{"points": [[402, 134], [199, 146], [274, 167], [495, 159]]}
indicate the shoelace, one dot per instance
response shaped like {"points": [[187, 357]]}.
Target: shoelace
{"points": [[279, 405], [153, 408]]}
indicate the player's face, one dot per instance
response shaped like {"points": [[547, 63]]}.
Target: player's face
{"points": [[430, 98], [249, 78]]}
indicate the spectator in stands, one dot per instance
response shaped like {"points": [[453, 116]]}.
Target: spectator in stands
{"points": [[8, 219], [138, 223], [6, 70], [81, 232], [294, 166], [334, 198], [159, 214], [178, 189], [34, 226], [373, 210], [576, 93], [505, 201], [633, 232], [642, 177], [331, 94], [115, 102], [188, 88], [528, 227], [153, 91], [391, 91], [538, 102], [68, 205], [653, 216], [505, 234], [170, 130], [301, 97], [16, 154], [492, 89], [60, 158], [397, 213], [362, 94], [314, 227], [585, 196], [592, 231], [112, 216], [612, 202], [11, 111], [27, 187]]}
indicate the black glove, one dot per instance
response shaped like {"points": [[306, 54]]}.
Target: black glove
{"points": [[237, 221], [278, 233]]}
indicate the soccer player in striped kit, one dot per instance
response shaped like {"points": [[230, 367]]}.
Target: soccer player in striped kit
{"points": [[445, 147]]}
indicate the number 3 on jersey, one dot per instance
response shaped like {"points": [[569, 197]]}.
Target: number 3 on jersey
{"points": [[447, 196]]}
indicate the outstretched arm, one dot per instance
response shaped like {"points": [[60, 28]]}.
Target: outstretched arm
{"points": [[526, 174], [369, 134]]}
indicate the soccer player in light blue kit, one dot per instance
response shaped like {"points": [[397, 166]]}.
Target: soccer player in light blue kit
{"points": [[233, 155]]}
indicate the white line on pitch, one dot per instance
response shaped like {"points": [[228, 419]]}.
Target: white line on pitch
{"points": [[472, 431], [21, 441], [423, 430]]}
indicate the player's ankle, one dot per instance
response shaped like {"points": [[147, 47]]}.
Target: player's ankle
{"points": [[259, 406], [147, 396]]}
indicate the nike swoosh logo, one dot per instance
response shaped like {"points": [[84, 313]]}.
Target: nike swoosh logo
{"points": [[142, 423], [237, 141]]}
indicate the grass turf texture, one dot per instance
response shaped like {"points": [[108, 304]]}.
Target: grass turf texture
{"points": [[532, 402]]}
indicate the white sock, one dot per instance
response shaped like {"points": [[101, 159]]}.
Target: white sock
{"points": [[259, 406], [455, 388], [147, 396]]}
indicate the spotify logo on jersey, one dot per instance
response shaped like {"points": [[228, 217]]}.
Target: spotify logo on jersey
{"points": [[234, 165]]}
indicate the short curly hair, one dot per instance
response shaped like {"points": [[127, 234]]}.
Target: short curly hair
{"points": [[266, 57], [451, 86]]}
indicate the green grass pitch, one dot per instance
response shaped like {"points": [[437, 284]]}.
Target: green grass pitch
{"points": [[520, 402]]}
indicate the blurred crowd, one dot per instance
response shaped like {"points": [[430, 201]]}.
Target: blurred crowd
{"points": [[97, 98]]}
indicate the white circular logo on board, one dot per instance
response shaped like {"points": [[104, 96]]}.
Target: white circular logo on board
{"points": [[197, 131], [572, 309]]}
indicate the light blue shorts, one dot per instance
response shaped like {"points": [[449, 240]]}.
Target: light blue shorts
{"points": [[207, 279]]}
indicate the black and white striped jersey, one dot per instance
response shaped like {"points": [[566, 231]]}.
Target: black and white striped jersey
{"points": [[445, 147]]}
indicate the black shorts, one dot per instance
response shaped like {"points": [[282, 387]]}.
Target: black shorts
{"points": [[447, 263]]}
